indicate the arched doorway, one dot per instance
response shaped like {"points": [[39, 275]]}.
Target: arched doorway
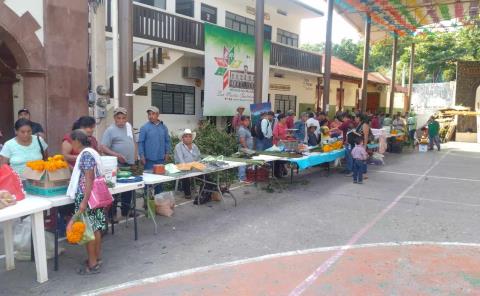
{"points": [[22, 69], [477, 108]]}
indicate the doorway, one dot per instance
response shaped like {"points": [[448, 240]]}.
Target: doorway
{"points": [[8, 78], [373, 101], [477, 109]]}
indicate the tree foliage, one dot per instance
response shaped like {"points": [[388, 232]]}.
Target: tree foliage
{"points": [[435, 53]]}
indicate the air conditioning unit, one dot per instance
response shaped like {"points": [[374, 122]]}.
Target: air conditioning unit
{"points": [[193, 72]]}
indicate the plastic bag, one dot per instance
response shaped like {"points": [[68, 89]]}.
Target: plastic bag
{"points": [[165, 203], [88, 234], [22, 241], [10, 181]]}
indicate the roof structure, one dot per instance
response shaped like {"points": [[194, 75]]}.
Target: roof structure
{"points": [[403, 17], [347, 70]]}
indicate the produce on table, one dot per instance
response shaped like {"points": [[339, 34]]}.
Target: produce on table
{"points": [[6, 199], [184, 166], [52, 164]]}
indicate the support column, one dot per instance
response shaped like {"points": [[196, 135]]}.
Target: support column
{"points": [[366, 58], [394, 70], [6, 101], [410, 78], [35, 98], [125, 30], [328, 58], [259, 40]]}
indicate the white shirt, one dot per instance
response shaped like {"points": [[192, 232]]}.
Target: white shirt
{"points": [[267, 128]]}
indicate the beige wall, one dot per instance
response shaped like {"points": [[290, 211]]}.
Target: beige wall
{"points": [[302, 86]]}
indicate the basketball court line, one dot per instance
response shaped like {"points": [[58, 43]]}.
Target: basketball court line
{"points": [[443, 201], [218, 266], [325, 266], [427, 176]]}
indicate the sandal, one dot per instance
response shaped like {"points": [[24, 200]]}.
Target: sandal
{"points": [[86, 270], [99, 262]]}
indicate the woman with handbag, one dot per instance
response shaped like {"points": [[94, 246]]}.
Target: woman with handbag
{"points": [[23, 148], [88, 168]]}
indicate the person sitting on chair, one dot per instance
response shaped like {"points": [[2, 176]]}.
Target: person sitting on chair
{"points": [[185, 152]]}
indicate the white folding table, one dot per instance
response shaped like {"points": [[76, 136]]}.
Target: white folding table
{"points": [[34, 208]]}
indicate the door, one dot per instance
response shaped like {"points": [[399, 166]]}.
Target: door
{"points": [[340, 99], [477, 108], [373, 101]]}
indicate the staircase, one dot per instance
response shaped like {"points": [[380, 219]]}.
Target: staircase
{"points": [[152, 63]]}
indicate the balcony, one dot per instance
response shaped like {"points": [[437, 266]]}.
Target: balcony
{"points": [[296, 59], [157, 25]]}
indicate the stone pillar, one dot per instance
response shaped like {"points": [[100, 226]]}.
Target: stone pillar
{"points": [[35, 98], [259, 40], [125, 32], [366, 58], [328, 58]]}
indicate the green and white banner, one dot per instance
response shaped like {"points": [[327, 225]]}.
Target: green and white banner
{"points": [[229, 70]]}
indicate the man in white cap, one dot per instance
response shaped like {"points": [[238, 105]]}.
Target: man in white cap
{"points": [[236, 122], [118, 141], [154, 141], [185, 152]]}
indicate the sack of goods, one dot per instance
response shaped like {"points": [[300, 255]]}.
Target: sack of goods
{"points": [[165, 203]]}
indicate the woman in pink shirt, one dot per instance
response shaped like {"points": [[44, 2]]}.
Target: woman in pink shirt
{"points": [[280, 129]]}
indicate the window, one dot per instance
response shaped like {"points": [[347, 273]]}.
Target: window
{"points": [[173, 99], [287, 38], [184, 7], [245, 25], [209, 14], [157, 3], [285, 103]]}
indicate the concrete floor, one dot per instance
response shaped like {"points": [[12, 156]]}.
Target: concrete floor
{"points": [[415, 197]]}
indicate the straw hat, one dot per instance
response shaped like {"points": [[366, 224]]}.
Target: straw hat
{"points": [[188, 131]]}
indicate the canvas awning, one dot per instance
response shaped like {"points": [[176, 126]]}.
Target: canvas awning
{"points": [[403, 17]]}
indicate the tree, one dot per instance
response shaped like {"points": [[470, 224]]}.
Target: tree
{"points": [[317, 47], [348, 51]]}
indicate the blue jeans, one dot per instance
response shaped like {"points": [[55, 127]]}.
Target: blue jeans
{"points": [[267, 143], [263, 144], [359, 168], [434, 140], [149, 166], [242, 173], [259, 144], [348, 158]]}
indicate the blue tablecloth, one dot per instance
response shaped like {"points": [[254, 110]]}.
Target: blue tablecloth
{"points": [[317, 158]]}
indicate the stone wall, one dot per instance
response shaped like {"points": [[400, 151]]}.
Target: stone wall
{"points": [[468, 80]]}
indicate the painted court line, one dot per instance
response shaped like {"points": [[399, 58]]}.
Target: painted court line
{"points": [[303, 286], [443, 201], [218, 266], [429, 176]]}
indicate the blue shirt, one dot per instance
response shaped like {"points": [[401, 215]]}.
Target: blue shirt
{"points": [[300, 132], [154, 141]]}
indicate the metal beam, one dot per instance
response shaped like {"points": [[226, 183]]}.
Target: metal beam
{"points": [[259, 40], [394, 70], [328, 58], [410, 78], [125, 32], [366, 58]]}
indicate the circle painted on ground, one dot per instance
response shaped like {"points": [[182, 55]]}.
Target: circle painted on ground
{"points": [[410, 268]]}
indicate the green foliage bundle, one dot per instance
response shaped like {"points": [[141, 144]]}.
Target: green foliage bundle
{"points": [[212, 141]]}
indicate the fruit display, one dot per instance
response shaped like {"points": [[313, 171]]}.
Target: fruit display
{"points": [[184, 166], [333, 146], [6, 199]]}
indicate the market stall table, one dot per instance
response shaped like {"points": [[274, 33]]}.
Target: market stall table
{"points": [[34, 208]]}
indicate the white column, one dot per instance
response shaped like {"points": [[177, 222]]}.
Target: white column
{"points": [[171, 5], [221, 16], [116, 73], [197, 10]]}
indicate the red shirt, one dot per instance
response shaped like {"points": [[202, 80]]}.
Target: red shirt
{"points": [[279, 133], [375, 122], [93, 144], [290, 122], [344, 128]]}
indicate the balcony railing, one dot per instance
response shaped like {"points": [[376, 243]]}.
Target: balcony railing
{"points": [[294, 58], [157, 25]]}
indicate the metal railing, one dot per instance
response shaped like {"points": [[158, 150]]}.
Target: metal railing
{"points": [[156, 25], [294, 58]]}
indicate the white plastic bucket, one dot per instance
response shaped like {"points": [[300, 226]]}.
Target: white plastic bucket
{"points": [[110, 168]]}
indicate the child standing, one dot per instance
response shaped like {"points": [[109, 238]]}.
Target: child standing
{"points": [[359, 155], [312, 136]]}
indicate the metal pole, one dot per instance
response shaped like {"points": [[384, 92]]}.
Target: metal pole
{"points": [[259, 40], [328, 58], [410, 78], [366, 57], [125, 16], [394, 70], [116, 86]]}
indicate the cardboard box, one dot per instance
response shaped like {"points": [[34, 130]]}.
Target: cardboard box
{"points": [[45, 179]]}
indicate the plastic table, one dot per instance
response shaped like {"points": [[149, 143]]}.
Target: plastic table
{"points": [[34, 208]]}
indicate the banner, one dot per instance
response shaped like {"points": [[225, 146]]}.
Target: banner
{"points": [[229, 70], [257, 109]]}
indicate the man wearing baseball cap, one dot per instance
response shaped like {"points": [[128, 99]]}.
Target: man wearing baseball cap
{"points": [[37, 128], [154, 142], [118, 141]]}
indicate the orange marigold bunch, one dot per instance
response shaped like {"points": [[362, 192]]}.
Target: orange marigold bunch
{"points": [[52, 164], [75, 233]]}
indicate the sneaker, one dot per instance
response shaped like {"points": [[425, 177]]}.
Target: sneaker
{"points": [[349, 175], [360, 182], [355, 182]]}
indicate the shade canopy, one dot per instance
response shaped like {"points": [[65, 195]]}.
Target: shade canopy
{"points": [[403, 17]]}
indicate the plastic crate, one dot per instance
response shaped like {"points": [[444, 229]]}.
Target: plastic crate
{"points": [[49, 192]]}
